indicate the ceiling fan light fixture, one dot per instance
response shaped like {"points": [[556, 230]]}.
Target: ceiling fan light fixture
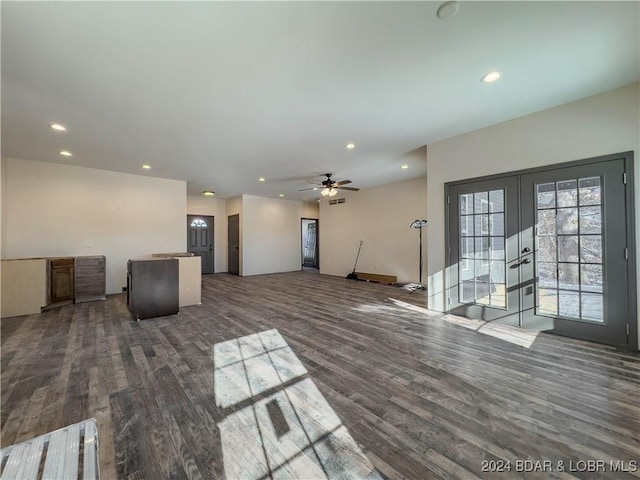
{"points": [[332, 192], [325, 191], [491, 77]]}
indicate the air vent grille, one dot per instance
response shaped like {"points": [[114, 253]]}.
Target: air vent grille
{"points": [[336, 201]]}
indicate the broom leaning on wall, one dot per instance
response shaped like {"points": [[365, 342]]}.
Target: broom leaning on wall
{"points": [[353, 275]]}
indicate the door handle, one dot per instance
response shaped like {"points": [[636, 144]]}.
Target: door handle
{"points": [[526, 250], [521, 262]]}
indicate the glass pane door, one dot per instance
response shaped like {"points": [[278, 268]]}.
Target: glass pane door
{"points": [[573, 219], [545, 249], [483, 242], [569, 241]]}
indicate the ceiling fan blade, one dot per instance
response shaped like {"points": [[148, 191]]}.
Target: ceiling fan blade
{"points": [[305, 189], [343, 182], [352, 189]]}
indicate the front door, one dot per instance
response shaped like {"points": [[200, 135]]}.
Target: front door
{"points": [[200, 239], [546, 249], [233, 249]]}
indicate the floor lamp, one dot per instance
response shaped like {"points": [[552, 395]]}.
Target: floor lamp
{"points": [[419, 224]]}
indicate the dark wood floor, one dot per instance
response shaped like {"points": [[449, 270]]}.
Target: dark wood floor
{"points": [[424, 397]]}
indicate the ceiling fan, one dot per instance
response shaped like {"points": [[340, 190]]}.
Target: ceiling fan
{"points": [[331, 186]]}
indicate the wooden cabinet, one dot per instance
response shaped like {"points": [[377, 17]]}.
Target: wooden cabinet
{"points": [[90, 283], [60, 280]]}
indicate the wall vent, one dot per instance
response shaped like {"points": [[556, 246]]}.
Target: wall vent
{"points": [[335, 201]]}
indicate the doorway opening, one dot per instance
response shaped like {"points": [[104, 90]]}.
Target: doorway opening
{"points": [[310, 248], [547, 249], [233, 244], [200, 240]]}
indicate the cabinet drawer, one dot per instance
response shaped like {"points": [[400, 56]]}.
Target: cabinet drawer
{"points": [[89, 270], [90, 285], [90, 261]]}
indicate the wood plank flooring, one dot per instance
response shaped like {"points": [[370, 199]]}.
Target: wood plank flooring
{"points": [[423, 396]]}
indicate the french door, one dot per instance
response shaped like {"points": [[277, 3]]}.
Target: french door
{"points": [[546, 249]]}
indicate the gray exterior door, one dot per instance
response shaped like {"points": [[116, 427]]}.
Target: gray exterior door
{"points": [[483, 239], [548, 249], [574, 231], [233, 253], [200, 239]]}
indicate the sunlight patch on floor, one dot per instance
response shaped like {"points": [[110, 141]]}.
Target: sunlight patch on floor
{"points": [[508, 333], [279, 424]]}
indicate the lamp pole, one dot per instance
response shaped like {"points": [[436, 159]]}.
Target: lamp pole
{"points": [[419, 224]]}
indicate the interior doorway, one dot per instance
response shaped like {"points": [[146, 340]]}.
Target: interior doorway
{"points": [[547, 249], [200, 239], [310, 248], [233, 244]]}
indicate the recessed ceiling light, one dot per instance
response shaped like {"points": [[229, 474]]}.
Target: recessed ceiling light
{"points": [[65, 153], [57, 126], [146, 167], [208, 193], [404, 167], [315, 188], [281, 195], [261, 179], [351, 146], [490, 77]]}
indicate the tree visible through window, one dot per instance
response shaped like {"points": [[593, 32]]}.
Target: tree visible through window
{"points": [[482, 248], [569, 263]]}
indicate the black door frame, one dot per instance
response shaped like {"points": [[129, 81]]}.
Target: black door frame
{"points": [[236, 251], [317, 222], [630, 252]]}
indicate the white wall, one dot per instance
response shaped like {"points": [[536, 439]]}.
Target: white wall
{"points": [[234, 206], [599, 125], [3, 205], [381, 217], [216, 208], [310, 210], [54, 209], [271, 239]]}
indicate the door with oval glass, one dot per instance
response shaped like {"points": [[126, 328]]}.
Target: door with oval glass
{"points": [[546, 249]]}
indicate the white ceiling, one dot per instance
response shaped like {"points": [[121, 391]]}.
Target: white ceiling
{"points": [[220, 93]]}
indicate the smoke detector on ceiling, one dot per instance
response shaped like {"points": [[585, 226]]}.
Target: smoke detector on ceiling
{"points": [[447, 10]]}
